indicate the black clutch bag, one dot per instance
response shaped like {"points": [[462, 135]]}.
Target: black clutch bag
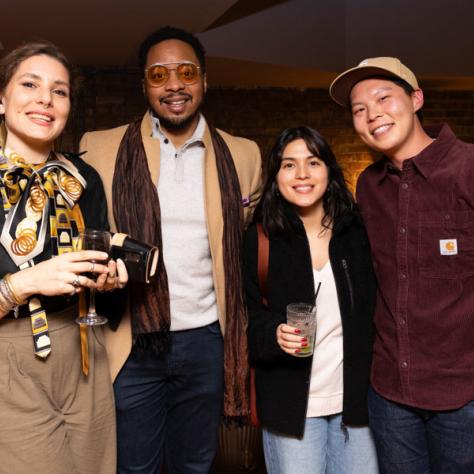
{"points": [[140, 259]]}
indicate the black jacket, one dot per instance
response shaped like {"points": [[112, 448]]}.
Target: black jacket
{"points": [[282, 381]]}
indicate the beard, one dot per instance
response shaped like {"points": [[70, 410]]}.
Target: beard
{"points": [[176, 124]]}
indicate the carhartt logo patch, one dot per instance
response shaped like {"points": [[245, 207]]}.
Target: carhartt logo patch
{"points": [[448, 247]]}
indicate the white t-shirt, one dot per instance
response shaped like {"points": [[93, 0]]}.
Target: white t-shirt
{"points": [[325, 392]]}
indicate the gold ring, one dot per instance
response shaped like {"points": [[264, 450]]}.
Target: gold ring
{"points": [[92, 267]]}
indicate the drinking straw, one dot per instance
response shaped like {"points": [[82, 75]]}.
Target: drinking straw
{"points": [[316, 292]]}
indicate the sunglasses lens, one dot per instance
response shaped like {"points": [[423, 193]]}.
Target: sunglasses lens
{"points": [[187, 73], [157, 75]]}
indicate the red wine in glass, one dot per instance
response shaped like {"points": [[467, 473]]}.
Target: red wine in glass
{"points": [[99, 240]]}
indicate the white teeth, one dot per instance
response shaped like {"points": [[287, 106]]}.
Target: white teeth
{"points": [[303, 188], [41, 117], [179, 102], [381, 129]]}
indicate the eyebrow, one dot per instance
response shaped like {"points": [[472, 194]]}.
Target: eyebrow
{"points": [[35, 76], [294, 159]]}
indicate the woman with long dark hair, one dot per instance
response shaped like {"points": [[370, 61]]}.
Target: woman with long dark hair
{"points": [[57, 412], [313, 410]]}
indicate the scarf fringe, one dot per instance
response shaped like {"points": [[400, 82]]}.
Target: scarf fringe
{"points": [[136, 209]]}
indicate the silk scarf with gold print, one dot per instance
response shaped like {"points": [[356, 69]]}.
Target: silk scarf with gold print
{"points": [[33, 196]]}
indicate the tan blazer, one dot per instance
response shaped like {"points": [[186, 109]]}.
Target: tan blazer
{"points": [[102, 148]]}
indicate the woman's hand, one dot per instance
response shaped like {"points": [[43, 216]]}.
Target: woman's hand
{"points": [[288, 339], [116, 277], [61, 275]]}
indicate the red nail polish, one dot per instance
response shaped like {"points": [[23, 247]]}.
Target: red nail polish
{"points": [[297, 331], [297, 351], [305, 339], [305, 344]]}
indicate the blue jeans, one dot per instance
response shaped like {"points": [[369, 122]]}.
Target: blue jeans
{"points": [[169, 406], [415, 441], [326, 447]]}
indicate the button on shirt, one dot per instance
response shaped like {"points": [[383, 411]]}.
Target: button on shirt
{"points": [[186, 251], [420, 222]]}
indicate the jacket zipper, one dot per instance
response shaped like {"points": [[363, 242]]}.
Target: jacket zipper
{"points": [[345, 266]]}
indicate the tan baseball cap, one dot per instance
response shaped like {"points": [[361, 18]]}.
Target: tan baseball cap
{"points": [[341, 87]]}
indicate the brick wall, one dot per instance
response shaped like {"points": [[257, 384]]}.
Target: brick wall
{"points": [[112, 97]]}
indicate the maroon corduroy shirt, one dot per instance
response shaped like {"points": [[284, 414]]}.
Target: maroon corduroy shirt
{"points": [[420, 222]]}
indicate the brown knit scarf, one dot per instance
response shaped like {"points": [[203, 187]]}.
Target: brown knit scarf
{"points": [[150, 305]]}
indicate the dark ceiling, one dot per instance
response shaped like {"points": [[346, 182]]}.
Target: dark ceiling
{"points": [[292, 43]]}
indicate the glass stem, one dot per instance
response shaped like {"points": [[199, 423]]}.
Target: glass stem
{"points": [[92, 310]]}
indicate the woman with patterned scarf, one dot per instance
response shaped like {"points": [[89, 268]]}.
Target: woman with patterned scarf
{"points": [[57, 410]]}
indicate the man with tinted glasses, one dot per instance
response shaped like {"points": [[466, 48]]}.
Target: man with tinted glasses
{"points": [[418, 206], [178, 355]]}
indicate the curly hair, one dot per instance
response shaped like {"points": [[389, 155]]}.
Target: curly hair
{"points": [[169, 33]]}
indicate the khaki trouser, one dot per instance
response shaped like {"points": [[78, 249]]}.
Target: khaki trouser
{"points": [[53, 419]]}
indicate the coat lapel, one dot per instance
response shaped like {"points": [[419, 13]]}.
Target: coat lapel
{"points": [[212, 196], [215, 223], [152, 149]]}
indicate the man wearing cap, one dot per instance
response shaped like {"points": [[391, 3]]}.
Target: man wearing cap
{"points": [[178, 354], [418, 205]]}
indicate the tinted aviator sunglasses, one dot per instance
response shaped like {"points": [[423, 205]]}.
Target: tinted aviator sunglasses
{"points": [[158, 74]]}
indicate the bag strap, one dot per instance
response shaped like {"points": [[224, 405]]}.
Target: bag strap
{"points": [[262, 265]]}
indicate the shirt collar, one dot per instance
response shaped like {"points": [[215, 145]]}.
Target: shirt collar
{"points": [[196, 138], [427, 160]]}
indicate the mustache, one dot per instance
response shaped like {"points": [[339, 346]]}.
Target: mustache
{"points": [[180, 96]]}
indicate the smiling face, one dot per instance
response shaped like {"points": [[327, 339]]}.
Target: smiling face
{"points": [[35, 104], [384, 116], [303, 178], [175, 104]]}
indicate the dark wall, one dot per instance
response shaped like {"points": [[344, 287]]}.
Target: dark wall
{"points": [[112, 97]]}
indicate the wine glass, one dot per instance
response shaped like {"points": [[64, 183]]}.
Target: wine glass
{"points": [[92, 239]]}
